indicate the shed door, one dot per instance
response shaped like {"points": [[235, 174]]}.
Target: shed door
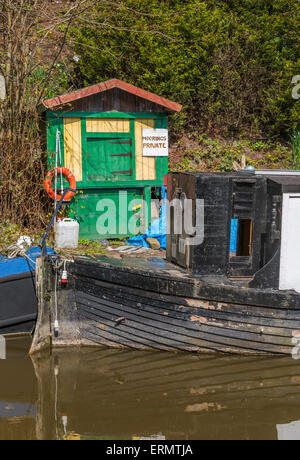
{"points": [[290, 243], [109, 159]]}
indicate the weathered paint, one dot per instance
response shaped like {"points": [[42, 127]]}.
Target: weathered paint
{"points": [[199, 319], [108, 294], [106, 86]]}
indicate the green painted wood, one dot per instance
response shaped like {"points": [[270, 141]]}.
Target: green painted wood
{"points": [[55, 121], [52, 127], [106, 135], [147, 211], [109, 159], [99, 174], [162, 163], [100, 163], [117, 211], [121, 184]]}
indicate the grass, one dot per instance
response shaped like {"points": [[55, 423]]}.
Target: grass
{"points": [[296, 148], [207, 154], [10, 233]]}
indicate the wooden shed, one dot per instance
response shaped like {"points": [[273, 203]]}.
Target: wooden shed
{"points": [[102, 143]]}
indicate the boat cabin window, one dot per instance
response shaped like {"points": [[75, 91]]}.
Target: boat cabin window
{"points": [[244, 238], [241, 238]]}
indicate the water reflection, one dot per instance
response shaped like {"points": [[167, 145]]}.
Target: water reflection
{"points": [[109, 394], [18, 393]]}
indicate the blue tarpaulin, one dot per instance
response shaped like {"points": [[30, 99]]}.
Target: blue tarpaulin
{"points": [[20, 265], [157, 229], [233, 236]]}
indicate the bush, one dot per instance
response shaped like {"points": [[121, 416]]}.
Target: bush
{"points": [[230, 63]]}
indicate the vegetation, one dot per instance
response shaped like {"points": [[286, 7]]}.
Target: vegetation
{"points": [[10, 234], [229, 62], [218, 154], [32, 36], [296, 148]]}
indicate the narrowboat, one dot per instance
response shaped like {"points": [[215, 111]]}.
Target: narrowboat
{"points": [[230, 282], [18, 300]]}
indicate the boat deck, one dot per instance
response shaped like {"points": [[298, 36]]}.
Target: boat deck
{"points": [[157, 274]]}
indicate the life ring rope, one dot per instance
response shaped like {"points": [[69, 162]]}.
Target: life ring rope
{"points": [[68, 175]]}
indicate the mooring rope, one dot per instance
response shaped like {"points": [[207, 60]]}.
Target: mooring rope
{"points": [[58, 157], [15, 251]]}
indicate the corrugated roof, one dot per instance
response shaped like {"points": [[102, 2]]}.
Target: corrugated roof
{"points": [[105, 86]]}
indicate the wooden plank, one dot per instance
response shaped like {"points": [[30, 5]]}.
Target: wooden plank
{"points": [[221, 311], [168, 312], [177, 284], [162, 328], [147, 336], [102, 125], [145, 167], [110, 86], [73, 146]]}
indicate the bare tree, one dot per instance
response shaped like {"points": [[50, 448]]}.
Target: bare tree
{"points": [[33, 39], [33, 34]]}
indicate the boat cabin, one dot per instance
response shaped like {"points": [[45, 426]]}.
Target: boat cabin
{"points": [[242, 225], [114, 139]]}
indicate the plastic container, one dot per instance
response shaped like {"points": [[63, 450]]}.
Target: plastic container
{"points": [[66, 234]]}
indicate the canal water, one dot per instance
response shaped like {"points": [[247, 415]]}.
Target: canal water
{"points": [[110, 394]]}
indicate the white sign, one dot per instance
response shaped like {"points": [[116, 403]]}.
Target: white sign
{"points": [[155, 143]]}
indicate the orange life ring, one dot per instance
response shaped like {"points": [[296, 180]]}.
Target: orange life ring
{"points": [[68, 175]]}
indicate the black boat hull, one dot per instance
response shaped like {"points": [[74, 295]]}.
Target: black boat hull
{"points": [[152, 305], [18, 304]]}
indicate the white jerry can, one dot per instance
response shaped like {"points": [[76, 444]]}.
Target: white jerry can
{"points": [[66, 234]]}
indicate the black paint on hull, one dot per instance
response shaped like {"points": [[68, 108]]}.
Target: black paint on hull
{"points": [[121, 306], [18, 304]]}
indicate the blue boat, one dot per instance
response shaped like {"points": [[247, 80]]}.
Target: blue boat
{"points": [[18, 301]]}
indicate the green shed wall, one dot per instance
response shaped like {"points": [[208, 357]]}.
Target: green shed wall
{"points": [[84, 205]]}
